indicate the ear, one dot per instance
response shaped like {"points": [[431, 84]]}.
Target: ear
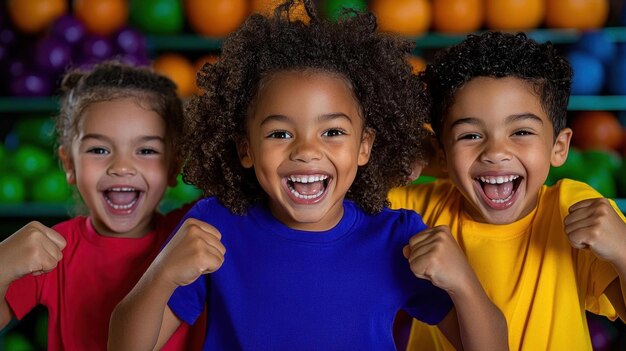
{"points": [[68, 165], [365, 148], [245, 156], [561, 147]]}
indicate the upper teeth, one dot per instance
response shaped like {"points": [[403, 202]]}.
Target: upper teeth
{"points": [[498, 180], [307, 179], [122, 189]]}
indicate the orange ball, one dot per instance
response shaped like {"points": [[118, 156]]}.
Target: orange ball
{"points": [[457, 16], [417, 64], [179, 69], [33, 16], [514, 14], [596, 130], [215, 18], [578, 14], [267, 7], [102, 17], [405, 17]]}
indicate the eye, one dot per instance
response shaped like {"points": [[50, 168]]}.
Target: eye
{"points": [[148, 151], [334, 132], [469, 136], [98, 151], [523, 132], [279, 134]]}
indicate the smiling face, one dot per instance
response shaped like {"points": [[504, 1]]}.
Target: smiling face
{"points": [[499, 145], [305, 142], [121, 165]]}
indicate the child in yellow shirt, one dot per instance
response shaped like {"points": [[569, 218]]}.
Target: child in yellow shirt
{"points": [[544, 255]]}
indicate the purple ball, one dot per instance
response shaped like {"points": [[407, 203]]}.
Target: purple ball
{"points": [[135, 60], [96, 48], [7, 36], [53, 54], [15, 67], [130, 41], [69, 29], [31, 84]]}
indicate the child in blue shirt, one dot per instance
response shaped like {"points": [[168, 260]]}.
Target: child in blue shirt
{"points": [[301, 130]]}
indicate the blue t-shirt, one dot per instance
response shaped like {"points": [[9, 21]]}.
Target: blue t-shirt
{"points": [[286, 289]]}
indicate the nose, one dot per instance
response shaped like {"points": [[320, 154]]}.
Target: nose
{"points": [[305, 149], [121, 165], [495, 151]]}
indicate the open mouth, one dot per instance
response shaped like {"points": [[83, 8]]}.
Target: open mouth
{"points": [[121, 199], [307, 187], [499, 189]]}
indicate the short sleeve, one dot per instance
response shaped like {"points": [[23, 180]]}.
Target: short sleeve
{"points": [[187, 302], [22, 295]]}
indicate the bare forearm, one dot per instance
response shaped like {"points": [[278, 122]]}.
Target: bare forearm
{"points": [[5, 311], [482, 325], [137, 319]]}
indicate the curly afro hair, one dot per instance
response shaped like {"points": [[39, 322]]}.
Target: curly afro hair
{"points": [[375, 66], [496, 54]]}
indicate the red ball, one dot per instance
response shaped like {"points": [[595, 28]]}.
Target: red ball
{"points": [[596, 130]]}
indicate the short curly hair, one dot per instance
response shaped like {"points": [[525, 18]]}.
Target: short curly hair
{"points": [[497, 55], [374, 64]]}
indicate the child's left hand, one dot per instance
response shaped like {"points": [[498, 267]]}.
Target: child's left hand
{"points": [[593, 224], [434, 255]]}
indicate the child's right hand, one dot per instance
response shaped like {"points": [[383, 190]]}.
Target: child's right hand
{"points": [[194, 250], [33, 249], [433, 254]]}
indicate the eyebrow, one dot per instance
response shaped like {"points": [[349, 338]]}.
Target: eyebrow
{"points": [[145, 138], [321, 118], [509, 119]]}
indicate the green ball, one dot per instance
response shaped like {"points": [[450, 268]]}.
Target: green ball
{"points": [[609, 160], [52, 187], [32, 161], [573, 168], [620, 180], [602, 181], [332, 9], [16, 342], [183, 192], [423, 179], [4, 158], [157, 16], [12, 189], [36, 130]]}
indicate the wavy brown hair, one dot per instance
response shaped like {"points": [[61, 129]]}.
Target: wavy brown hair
{"points": [[374, 65]]}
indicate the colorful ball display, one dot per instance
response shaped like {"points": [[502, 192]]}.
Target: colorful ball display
{"points": [[179, 69]]}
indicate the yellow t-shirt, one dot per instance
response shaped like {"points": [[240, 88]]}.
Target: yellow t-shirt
{"points": [[528, 268]]}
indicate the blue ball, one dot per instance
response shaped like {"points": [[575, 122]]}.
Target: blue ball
{"points": [[597, 43], [616, 77], [588, 73]]}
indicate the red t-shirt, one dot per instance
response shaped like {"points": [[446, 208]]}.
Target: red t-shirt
{"points": [[95, 274]]}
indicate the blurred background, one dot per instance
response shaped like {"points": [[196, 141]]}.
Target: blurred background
{"points": [[41, 39]]}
